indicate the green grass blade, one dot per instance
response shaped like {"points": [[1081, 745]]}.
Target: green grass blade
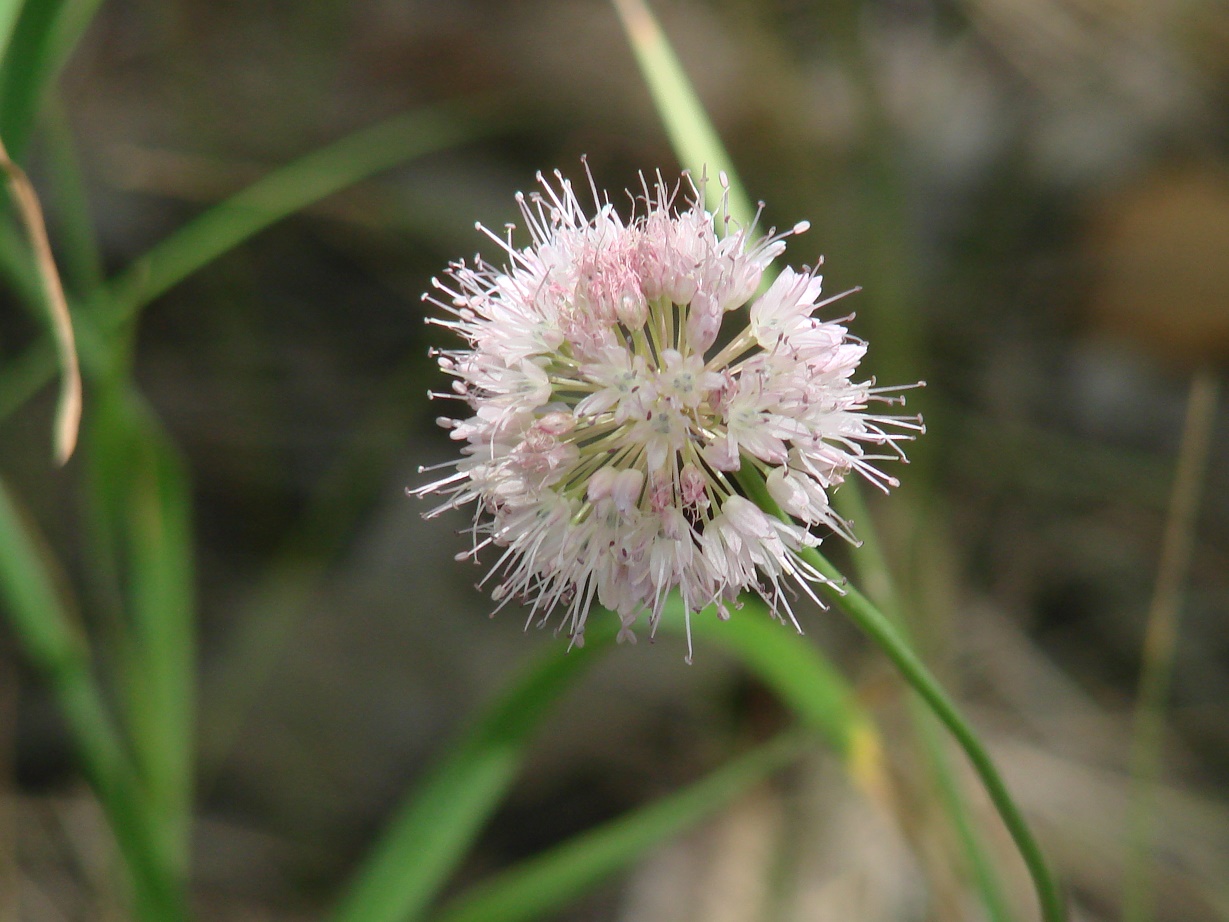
{"points": [[164, 605], [147, 511], [545, 884], [36, 612], [889, 640], [45, 35], [435, 827], [228, 224], [25, 376], [50, 640], [687, 124], [10, 10], [17, 265], [77, 243], [26, 66], [282, 193], [804, 680]]}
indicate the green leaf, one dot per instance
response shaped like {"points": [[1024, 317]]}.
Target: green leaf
{"points": [[804, 680], [142, 492], [43, 39], [38, 616], [438, 822], [228, 224], [44, 627], [10, 10], [687, 124], [550, 881], [282, 193], [77, 243]]}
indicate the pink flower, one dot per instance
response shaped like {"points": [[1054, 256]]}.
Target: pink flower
{"points": [[606, 426]]}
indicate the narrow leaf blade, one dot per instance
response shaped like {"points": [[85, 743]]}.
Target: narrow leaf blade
{"points": [[435, 827], [550, 881]]}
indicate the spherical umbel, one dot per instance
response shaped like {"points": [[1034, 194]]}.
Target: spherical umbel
{"points": [[606, 426]]}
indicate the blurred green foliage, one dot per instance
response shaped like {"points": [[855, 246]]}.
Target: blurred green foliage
{"points": [[232, 604]]}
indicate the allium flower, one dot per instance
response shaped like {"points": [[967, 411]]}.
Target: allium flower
{"points": [[609, 414]]}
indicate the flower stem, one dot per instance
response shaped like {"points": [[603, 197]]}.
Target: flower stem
{"points": [[871, 568], [889, 639]]}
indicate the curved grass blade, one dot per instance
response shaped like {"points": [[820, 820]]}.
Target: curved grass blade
{"points": [[439, 820], [548, 882], [872, 569], [914, 671], [885, 635]]}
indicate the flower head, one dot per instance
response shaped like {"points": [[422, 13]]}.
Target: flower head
{"points": [[610, 417]]}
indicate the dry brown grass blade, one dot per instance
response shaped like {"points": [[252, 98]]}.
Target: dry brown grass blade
{"points": [[1161, 638], [68, 409]]}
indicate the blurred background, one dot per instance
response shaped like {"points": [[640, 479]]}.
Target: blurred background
{"points": [[1034, 197]]}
